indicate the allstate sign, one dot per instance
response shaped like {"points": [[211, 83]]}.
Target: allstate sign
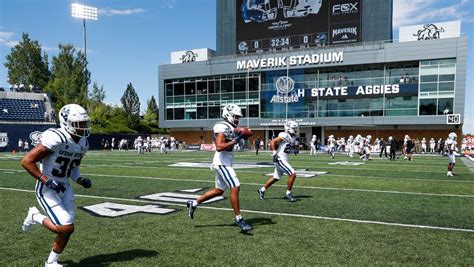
{"points": [[286, 92]]}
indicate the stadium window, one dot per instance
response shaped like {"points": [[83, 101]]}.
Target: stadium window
{"points": [[253, 84], [190, 115], [240, 85], [445, 106], [179, 113], [202, 112], [253, 111], [226, 86], [448, 86], [169, 89], [428, 87], [201, 87], [427, 106], [169, 114], [178, 89], [190, 88], [214, 112]]}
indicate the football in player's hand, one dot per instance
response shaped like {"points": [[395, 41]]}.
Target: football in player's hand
{"points": [[246, 132]]}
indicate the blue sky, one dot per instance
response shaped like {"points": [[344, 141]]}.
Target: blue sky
{"points": [[131, 38]]}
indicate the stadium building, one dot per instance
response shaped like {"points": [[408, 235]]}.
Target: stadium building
{"points": [[331, 65]]}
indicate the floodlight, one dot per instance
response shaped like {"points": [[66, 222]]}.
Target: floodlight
{"points": [[83, 12]]}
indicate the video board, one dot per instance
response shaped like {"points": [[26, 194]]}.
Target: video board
{"points": [[270, 25]]}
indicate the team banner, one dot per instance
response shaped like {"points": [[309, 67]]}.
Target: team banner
{"points": [[286, 93], [439, 30]]}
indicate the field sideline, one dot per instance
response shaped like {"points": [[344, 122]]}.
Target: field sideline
{"points": [[377, 213]]}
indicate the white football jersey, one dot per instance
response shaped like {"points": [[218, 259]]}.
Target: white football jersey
{"points": [[66, 153], [224, 157], [313, 141], [452, 145], [286, 146], [331, 142]]}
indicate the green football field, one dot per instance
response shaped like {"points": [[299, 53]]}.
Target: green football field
{"points": [[377, 213]]}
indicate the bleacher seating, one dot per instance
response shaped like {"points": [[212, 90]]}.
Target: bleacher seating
{"points": [[22, 109]]}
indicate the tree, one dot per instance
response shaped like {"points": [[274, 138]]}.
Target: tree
{"points": [[69, 77], [131, 105], [26, 65], [151, 115], [98, 94]]}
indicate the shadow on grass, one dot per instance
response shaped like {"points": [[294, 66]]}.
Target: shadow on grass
{"points": [[298, 197], [107, 259], [251, 221]]}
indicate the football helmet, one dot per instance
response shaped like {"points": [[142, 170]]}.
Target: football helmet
{"points": [[369, 137], [314, 136], [300, 8], [258, 11], [291, 127], [232, 114], [74, 119], [453, 136]]}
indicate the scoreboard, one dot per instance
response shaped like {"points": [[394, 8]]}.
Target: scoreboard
{"points": [[270, 25]]}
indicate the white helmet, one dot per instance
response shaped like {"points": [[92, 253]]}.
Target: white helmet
{"points": [[314, 136], [74, 119], [291, 127], [232, 113], [369, 137], [351, 137], [390, 138], [453, 136]]}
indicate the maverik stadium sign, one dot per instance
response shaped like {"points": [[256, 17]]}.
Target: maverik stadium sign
{"points": [[278, 62]]}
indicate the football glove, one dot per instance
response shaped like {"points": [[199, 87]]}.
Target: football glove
{"points": [[238, 137], [85, 182], [55, 185]]}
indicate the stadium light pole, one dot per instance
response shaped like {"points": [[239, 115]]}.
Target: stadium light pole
{"points": [[84, 12]]}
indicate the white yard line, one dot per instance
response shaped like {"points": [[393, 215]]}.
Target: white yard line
{"points": [[273, 213], [277, 185]]}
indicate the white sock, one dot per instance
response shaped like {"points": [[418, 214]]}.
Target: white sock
{"points": [[195, 203], [288, 192], [38, 218], [262, 189], [449, 172], [53, 257], [238, 217]]}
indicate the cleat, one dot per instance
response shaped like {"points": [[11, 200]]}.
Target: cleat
{"points": [[449, 174], [290, 197], [261, 194], [28, 222], [191, 209], [243, 225], [52, 264]]}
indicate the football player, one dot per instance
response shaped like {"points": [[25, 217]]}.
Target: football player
{"points": [[225, 138], [313, 146], [351, 144], [60, 152], [423, 145], [331, 145], [432, 145], [451, 148], [281, 146]]}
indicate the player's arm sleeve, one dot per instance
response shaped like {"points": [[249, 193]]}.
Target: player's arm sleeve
{"points": [[220, 128], [52, 139]]}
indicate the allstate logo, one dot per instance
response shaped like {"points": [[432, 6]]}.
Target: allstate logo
{"points": [[285, 85], [286, 93]]}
